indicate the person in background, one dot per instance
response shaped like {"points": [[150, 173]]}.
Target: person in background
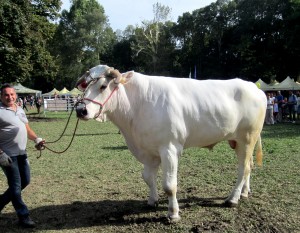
{"points": [[284, 109], [292, 103], [20, 102], [298, 105], [24, 103], [14, 131], [275, 110], [279, 98], [269, 114], [38, 104]]}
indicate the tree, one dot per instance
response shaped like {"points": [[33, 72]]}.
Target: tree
{"points": [[249, 39], [83, 39], [25, 31], [152, 40]]}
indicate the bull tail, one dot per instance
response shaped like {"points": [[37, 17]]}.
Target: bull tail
{"points": [[259, 154]]}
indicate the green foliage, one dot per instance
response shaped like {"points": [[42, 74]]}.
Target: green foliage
{"points": [[25, 31], [42, 48], [152, 45], [81, 39], [249, 39]]}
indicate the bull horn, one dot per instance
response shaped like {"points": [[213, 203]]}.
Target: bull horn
{"points": [[115, 74], [108, 70]]}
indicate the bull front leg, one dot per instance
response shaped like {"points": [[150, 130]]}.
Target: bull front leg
{"points": [[150, 177], [169, 161]]}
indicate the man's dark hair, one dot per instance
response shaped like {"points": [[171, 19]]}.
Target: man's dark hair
{"points": [[5, 85]]}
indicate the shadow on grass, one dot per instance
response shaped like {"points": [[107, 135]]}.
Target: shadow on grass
{"points": [[87, 134], [281, 130], [106, 212], [115, 148]]}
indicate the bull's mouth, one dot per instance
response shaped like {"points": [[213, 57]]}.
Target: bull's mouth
{"points": [[82, 115], [81, 111]]}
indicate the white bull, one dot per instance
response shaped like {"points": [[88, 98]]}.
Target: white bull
{"points": [[161, 116]]}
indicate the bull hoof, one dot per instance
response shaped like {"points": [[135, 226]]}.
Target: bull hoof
{"points": [[230, 204], [153, 204], [244, 196], [174, 219]]}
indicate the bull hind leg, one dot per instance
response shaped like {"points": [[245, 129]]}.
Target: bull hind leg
{"points": [[244, 151], [150, 177], [246, 188]]}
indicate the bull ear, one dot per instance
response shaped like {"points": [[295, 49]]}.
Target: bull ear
{"points": [[124, 78]]}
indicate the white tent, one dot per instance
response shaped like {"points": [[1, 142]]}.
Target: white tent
{"points": [[64, 91], [27, 91], [262, 85], [74, 92], [51, 93], [285, 85]]}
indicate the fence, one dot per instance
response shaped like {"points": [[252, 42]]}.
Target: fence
{"points": [[56, 105]]}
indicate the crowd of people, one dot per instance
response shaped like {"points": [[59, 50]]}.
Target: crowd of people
{"points": [[282, 109], [33, 102]]}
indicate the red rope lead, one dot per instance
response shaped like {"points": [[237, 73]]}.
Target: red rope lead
{"points": [[96, 102]]}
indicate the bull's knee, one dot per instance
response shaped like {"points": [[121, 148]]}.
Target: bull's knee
{"points": [[170, 189], [149, 176]]}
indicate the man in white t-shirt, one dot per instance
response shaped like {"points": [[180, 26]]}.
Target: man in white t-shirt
{"points": [[14, 131]]}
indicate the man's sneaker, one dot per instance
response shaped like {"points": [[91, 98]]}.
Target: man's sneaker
{"points": [[26, 222]]}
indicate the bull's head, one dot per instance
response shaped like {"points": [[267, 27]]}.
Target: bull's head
{"points": [[98, 85]]}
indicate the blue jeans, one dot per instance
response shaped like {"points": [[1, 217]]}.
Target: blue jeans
{"points": [[18, 177]]}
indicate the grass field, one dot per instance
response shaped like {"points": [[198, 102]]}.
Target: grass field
{"points": [[96, 186]]}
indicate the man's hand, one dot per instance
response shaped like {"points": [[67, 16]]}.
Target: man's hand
{"points": [[5, 160], [39, 143]]}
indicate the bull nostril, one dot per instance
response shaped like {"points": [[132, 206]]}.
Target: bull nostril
{"points": [[84, 112], [81, 112]]}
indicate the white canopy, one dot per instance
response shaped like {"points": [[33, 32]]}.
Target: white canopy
{"points": [[51, 93], [74, 92], [262, 85], [64, 91], [20, 89], [285, 85]]}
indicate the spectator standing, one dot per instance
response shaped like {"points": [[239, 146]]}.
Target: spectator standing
{"points": [[20, 102], [279, 99], [284, 109], [269, 114], [14, 131], [298, 105], [38, 104], [24, 103], [292, 103], [31, 102], [275, 110]]}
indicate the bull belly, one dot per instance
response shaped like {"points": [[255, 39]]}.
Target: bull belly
{"points": [[207, 140]]}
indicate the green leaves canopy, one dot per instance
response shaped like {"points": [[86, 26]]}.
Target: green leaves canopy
{"points": [[25, 30], [82, 37]]}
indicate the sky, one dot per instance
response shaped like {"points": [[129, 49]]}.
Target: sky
{"points": [[122, 13]]}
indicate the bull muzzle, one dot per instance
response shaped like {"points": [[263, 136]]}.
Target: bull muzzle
{"points": [[81, 111]]}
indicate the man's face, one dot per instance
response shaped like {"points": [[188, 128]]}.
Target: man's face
{"points": [[8, 96]]}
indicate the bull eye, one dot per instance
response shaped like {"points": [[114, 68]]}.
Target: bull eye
{"points": [[83, 84], [102, 88]]}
